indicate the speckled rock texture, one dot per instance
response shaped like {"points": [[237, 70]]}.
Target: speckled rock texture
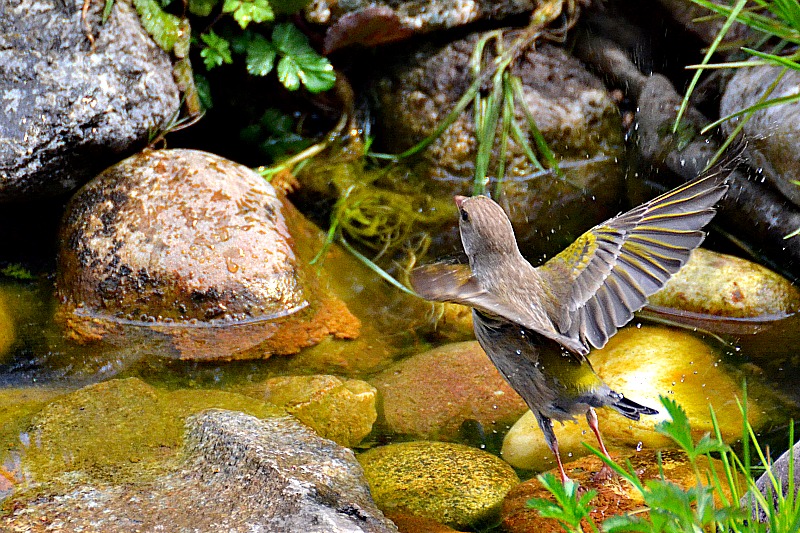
{"points": [[723, 285], [339, 409], [198, 246], [773, 134], [571, 108], [456, 485], [68, 109], [421, 16], [239, 474], [431, 394]]}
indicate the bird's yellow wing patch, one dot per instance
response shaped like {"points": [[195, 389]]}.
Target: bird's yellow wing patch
{"points": [[597, 283]]}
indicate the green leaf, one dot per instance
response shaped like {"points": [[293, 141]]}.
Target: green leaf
{"points": [[217, 51], [678, 428], [261, 55], [203, 91], [300, 63], [247, 11], [202, 8], [288, 73], [290, 41]]}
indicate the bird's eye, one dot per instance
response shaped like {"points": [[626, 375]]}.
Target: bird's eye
{"points": [[464, 216]]}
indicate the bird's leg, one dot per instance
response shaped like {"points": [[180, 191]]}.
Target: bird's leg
{"points": [[605, 472], [550, 438]]}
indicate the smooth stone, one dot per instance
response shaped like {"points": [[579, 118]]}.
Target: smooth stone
{"points": [[342, 410], [723, 285], [779, 469], [238, 473], [193, 249], [643, 363], [614, 496], [72, 107], [453, 484], [118, 430], [772, 133], [572, 109], [436, 14], [431, 394], [409, 523]]}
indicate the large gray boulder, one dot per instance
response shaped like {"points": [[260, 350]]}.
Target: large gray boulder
{"points": [[69, 108]]}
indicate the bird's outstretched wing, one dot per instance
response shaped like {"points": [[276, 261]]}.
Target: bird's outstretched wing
{"points": [[442, 282], [599, 281]]}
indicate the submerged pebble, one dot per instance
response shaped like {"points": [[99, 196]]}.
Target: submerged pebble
{"points": [[339, 409], [451, 483], [431, 394]]}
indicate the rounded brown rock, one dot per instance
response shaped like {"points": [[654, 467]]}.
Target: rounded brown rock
{"points": [[196, 248]]}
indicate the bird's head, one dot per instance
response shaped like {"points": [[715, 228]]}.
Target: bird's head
{"points": [[485, 228]]}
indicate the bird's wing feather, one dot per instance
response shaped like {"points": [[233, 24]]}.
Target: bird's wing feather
{"points": [[455, 283], [598, 282]]}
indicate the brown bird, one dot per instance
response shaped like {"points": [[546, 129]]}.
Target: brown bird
{"points": [[537, 324]]}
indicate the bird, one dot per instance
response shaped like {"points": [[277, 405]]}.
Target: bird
{"points": [[539, 324]]}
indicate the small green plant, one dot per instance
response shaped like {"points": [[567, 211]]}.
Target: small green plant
{"points": [[280, 47], [16, 271], [704, 506]]}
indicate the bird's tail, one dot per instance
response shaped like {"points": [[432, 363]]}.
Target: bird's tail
{"points": [[629, 408]]}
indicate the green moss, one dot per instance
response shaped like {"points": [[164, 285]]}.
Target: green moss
{"points": [[120, 430]]}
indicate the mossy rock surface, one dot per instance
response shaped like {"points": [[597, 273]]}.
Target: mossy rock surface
{"points": [[339, 409], [120, 430], [451, 483]]}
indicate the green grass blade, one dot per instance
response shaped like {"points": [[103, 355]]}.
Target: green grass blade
{"points": [[375, 268], [538, 138], [721, 35]]}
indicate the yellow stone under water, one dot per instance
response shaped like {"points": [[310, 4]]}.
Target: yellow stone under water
{"points": [[451, 483], [643, 364]]}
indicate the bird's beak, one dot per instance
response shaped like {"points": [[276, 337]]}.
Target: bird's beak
{"points": [[459, 200]]}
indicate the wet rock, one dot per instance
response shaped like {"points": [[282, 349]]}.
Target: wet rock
{"points": [[724, 285], [342, 410], [7, 335], [758, 215], [430, 395], [570, 106], [118, 430], [772, 133], [409, 15], [70, 107], [614, 496], [194, 250], [409, 523], [783, 475], [644, 363], [694, 18], [453, 484], [238, 474]]}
